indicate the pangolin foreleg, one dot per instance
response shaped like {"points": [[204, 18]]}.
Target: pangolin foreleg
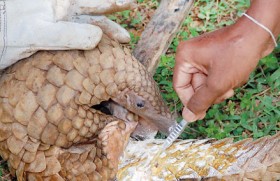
{"points": [[97, 161]]}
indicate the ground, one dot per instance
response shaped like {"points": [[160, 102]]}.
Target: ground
{"points": [[254, 111]]}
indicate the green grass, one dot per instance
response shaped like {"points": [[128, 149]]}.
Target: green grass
{"points": [[4, 172], [254, 111]]}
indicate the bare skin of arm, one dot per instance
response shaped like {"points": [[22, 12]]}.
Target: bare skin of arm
{"points": [[209, 67]]}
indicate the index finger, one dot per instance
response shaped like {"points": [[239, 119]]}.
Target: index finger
{"points": [[97, 7], [182, 79]]}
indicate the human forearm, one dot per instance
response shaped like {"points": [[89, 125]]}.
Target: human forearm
{"points": [[267, 13]]}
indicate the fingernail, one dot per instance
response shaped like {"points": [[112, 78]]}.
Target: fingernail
{"points": [[189, 115]]}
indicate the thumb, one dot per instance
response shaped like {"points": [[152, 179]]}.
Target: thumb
{"points": [[110, 28], [68, 35], [200, 102]]}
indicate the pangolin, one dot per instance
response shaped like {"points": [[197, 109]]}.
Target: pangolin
{"points": [[52, 126], [207, 159]]}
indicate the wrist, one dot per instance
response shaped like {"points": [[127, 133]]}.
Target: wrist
{"points": [[254, 37], [267, 14]]}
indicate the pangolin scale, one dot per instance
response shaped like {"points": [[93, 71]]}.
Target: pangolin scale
{"points": [[49, 127]]}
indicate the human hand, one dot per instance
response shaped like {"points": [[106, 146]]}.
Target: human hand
{"points": [[210, 66], [31, 25]]}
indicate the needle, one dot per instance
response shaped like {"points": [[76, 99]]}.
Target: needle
{"points": [[175, 133]]}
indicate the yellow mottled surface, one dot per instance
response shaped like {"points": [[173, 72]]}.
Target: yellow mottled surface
{"points": [[200, 159]]}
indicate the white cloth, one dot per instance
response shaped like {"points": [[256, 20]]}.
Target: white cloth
{"points": [[27, 26]]}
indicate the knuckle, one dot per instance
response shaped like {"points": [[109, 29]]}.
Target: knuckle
{"points": [[181, 46], [183, 49], [176, 88]]}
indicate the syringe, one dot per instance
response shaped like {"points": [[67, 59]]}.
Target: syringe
{"points": [[175, 133]]}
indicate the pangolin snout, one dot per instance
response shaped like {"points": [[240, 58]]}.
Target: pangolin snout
{"points": [[146, 127], [152, 115]]}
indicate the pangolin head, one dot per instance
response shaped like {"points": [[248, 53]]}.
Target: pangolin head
{"points": [[142, 97], [133, 87], [148, 107]]}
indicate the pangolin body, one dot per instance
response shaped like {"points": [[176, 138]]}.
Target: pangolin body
{"points": [[189, 160], [49, 127]]}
